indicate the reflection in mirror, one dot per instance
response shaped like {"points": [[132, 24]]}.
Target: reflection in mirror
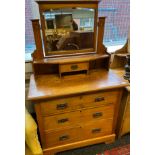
{"points": [[69, 29]]}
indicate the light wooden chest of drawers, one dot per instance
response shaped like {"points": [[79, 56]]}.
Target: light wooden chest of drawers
{"points": [[73, 117], [77, 118], [81, 109]]}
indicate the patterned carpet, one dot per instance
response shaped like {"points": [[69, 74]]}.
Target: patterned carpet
{"points": [[122, 150]]}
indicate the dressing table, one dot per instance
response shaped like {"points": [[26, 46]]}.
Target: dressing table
{"points": [[75, 95]]}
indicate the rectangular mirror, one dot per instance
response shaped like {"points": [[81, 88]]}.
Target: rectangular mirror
{"points": [[68, 30]]}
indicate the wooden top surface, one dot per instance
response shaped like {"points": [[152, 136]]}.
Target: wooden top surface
{"points": [[82, 31], [120, 72], [50, 86], [122, 54], [71, 59]]}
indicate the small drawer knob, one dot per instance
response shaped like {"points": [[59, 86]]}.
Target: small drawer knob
{"points": [[74, 67], [98, 99], [62, 106], [63, 120], [97, 130], [64, 137], [97, 114]]}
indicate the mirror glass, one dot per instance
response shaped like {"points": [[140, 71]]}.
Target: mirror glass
{"points": [[69, 29]]}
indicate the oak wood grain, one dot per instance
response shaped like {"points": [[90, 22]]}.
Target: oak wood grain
{"points": [[123, 121], [51, 86], [73, 67], [78, 102], [97, 128], [62, 137], [71, 59]]}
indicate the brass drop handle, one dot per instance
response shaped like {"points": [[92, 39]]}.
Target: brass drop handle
{"points": [[62, 106], [97, 130], [64, 137], [98, 99], [74, 67], [63, 120], [97, 114]]}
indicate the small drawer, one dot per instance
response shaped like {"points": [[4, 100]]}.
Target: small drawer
{"points": [[93, 114], [62, 137], [60, 105], [100, 98], [96, 129], [61, 120], [73, 67]]}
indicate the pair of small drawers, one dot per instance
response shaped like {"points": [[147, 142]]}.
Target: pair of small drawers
{"points": [[85, 131], [77, 118], [60, 121], [68, 104]]}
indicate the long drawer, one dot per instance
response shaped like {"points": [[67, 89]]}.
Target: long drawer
{"points": [[80, 116], [55, 106], [61, 137]]}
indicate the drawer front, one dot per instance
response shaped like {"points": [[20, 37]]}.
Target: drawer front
{"points": [[96, 129], [60, 105], [93, 114], [98, 99], [77, 102], [61, 120], [74, 67], [62, 137]]}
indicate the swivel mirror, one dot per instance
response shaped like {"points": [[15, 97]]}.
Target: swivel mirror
{"points": [[68, 29]]}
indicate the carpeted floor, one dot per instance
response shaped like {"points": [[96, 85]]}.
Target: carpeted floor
{"points": [[121, 150], [98, 148]]}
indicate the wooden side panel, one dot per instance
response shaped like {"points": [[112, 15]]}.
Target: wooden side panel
{"points": [[123, 122], [126, 126], [117, 106], [40, 123]]}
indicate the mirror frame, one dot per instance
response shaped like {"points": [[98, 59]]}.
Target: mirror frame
{"points": [[56, 4]]}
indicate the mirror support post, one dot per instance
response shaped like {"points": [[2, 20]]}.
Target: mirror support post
{"points": [[100, 35], [38, 53]]}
